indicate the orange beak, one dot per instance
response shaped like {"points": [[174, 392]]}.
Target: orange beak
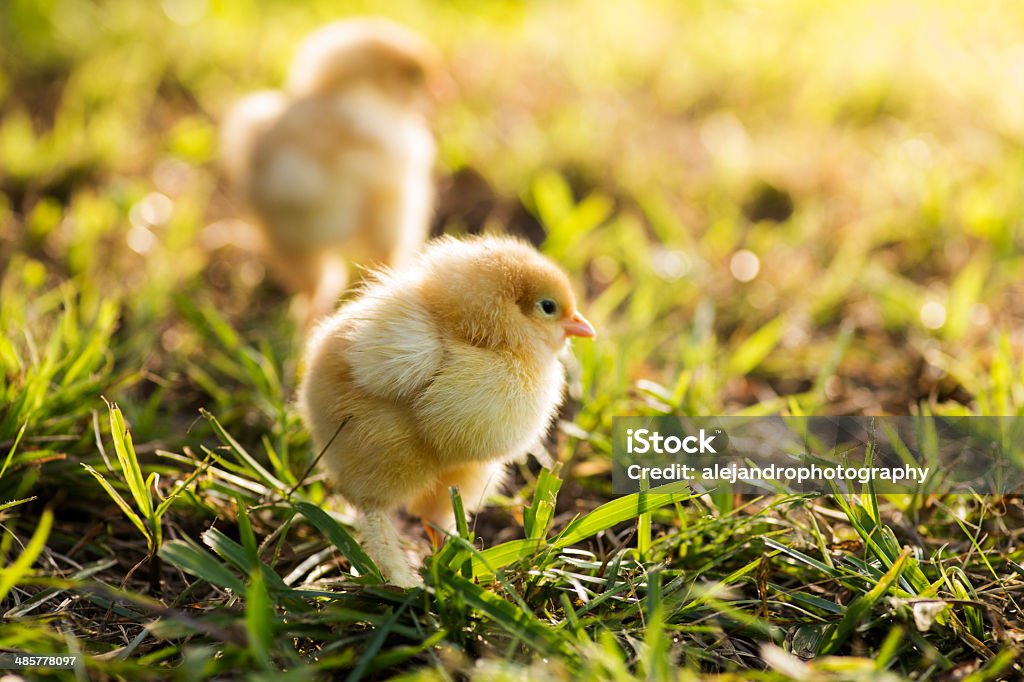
{"points": [[577, 325], [441, 87]]}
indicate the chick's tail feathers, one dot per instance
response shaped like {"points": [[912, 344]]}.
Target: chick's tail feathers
{"points": [[381, 540]]}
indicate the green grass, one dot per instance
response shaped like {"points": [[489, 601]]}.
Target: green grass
{"points": [[867, 154]]}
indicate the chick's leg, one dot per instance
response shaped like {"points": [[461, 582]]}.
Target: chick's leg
{"points": [[332, 284], [315, 278], [299, 271], [476, 481], [381, 541]]}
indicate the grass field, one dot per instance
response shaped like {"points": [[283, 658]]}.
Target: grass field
{"points": [[800, 207]]}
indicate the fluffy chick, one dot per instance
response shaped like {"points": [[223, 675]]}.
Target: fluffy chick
{"points": [[338, 167], [441, 372]]}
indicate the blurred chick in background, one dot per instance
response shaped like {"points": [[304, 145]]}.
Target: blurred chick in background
{"points": [[441, 373], [338, 167]]}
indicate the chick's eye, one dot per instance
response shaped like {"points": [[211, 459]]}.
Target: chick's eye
{"points": [[415, 75], [547, 306]]}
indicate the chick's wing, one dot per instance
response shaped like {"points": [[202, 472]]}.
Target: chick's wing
{"points": [[394, 347]]}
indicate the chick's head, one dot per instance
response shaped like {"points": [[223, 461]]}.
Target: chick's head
{"points": [[366, 52], [500, 293]]}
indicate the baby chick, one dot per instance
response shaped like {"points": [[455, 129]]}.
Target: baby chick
{"points": [[441, 373], [338, 167]]}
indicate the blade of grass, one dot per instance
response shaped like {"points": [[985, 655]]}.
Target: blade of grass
{"points": [[11, 575], [340, 538], [756, 347], [242, 453], [259, 620], [379, 637], [494, 558], [122, 503], [10, 453], [860, 608], [520, 623], [643, 526], [538, 516], [202, 565], [129, 461], [621, 509]]}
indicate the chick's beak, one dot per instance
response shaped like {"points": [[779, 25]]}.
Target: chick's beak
{"points": [[441, 87], [577, 325]]}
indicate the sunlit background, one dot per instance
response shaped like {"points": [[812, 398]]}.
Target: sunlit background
{"points": [[844, 177], [802, 207]]}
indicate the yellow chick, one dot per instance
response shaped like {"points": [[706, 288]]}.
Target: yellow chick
{"points": [[441, 372], [338, 167]]}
